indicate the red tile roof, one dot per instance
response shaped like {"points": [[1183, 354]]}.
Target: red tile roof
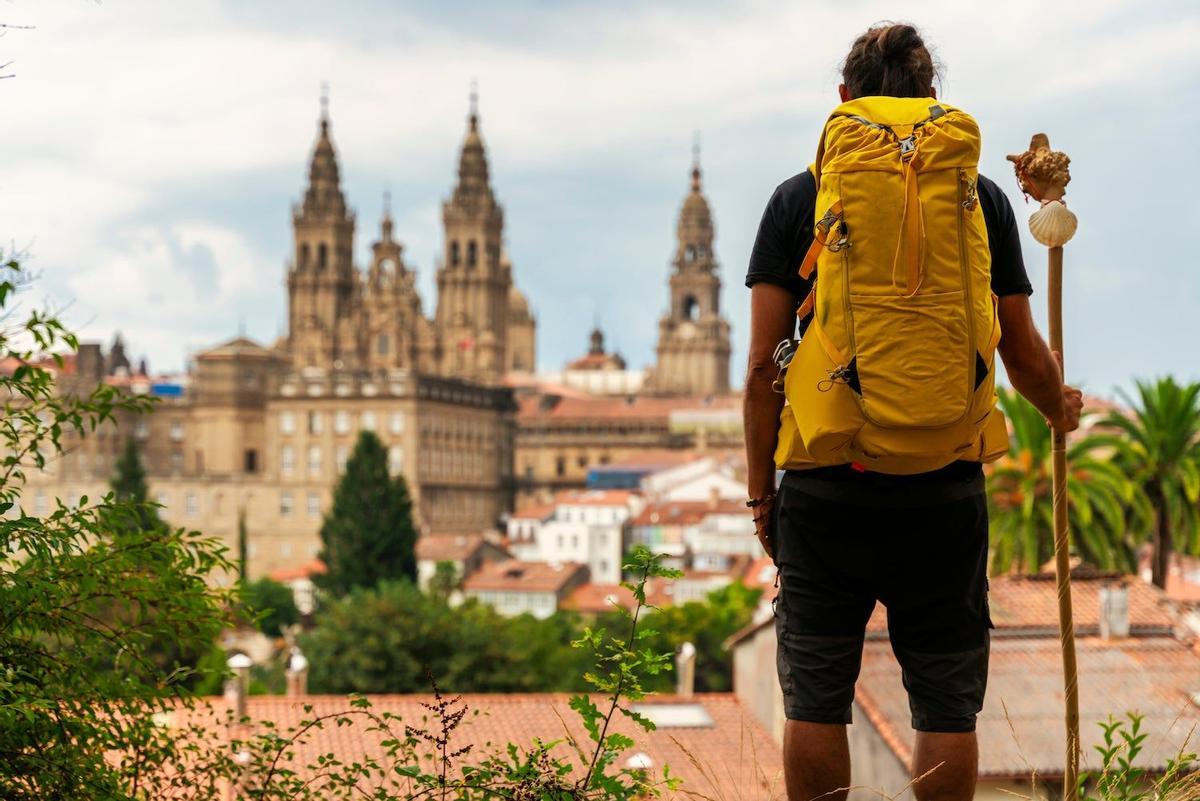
{"points": [[449, 547], [633, 407], [1030, 604], [534, 511], [731, 758], [610, 497], [686, 513], [306, 570], [514, 576], [1153, 676]]}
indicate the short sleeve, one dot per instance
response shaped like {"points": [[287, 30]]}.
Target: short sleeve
{"points": [[1008, 265], [784, 233]]}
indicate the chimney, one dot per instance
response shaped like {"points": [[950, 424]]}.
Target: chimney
{"points": [[1114, 611], [685, 671], [237, 687], [297, 674]]}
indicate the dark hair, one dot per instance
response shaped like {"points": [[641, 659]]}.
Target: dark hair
{"points": [[889, 59]]}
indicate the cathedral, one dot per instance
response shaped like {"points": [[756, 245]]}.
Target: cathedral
{"points": [[252, 439], [340, 316]]}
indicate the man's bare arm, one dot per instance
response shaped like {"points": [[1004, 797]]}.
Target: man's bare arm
{"points": [[1032, 368], [772, 318]]}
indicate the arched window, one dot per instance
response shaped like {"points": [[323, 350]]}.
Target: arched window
{"points": [[454, 254], [382, 344], [322, 256], [304, 255], [472, 253], [691, 309], [690, 253]]}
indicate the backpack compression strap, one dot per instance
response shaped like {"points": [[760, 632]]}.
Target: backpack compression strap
{"points": [[808, 266]]}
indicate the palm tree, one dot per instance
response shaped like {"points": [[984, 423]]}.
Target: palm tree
{"points": [[1108, 509], [1159, 448]]}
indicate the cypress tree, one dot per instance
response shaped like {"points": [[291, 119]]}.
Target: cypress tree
{"points": [[368, 533], [128, 484]]}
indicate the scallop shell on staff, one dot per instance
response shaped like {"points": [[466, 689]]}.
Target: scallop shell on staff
{"points": [[1053, 224]]}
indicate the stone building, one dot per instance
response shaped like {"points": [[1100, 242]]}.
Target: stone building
{"points": [[256, 436], [693, 337]]}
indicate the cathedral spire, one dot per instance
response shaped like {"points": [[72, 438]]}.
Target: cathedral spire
{"points": [[323, 196], [385, 223], [694, 232], [472, 161]]}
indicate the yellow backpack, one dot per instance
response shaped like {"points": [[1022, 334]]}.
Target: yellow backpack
{"points": [[895, 372]]}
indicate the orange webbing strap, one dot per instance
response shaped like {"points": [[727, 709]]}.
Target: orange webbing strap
{"points": [[806, 306], [820, 236], [912, 232]]}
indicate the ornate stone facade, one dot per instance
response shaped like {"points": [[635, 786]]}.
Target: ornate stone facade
{"points": [[693, 337]]}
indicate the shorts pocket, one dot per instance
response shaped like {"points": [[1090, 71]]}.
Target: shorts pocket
{"points": [[915, 358]]}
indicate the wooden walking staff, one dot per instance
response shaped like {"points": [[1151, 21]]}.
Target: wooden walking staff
{"points": [[1043, 174]]}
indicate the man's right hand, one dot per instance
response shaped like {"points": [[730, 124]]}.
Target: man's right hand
{"points": [[1072, 409], [764, 526]]}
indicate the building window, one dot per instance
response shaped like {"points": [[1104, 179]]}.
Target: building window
{"points": [[340, 457], [285, 504], [287, 423], [472, 253], [304, 255], [316, 423], [396, 423], [691, 253], [341, 422], [560, 466], [141, 429], [322, 256], [314, 460], [200, 462], [582, 461], [287, 460], [382, 344], [314, 505], [395, 460], [176, 431], [368, 421], [163, 500], [454, 254], [176, 461], [250, 460], [190, 505]]}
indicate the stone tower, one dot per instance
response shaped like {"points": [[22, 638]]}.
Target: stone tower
{"points": [[693, 337], [392, 313], [323, 286], [474, 279]]}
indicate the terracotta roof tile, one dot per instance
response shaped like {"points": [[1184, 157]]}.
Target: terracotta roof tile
{"points": [[732, 758], [633, 407], [514, 576], [686, 513], [448, 547], [1154, 676], [306, 570], [610, 497]]}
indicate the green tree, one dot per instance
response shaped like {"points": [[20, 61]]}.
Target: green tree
{"points": [[706, 625], [273, 603], [1158, 445], [368, 533], [85, 584], [1108, 508], [390, 638], [128, 484]]}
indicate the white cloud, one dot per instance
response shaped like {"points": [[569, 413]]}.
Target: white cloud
{"points": [[121, 111]]}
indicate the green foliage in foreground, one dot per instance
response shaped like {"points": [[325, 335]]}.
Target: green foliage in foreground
{"points": [[86, 592], [1121, 778]]}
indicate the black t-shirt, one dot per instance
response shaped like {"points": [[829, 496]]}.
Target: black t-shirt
{"points": [[784, 236]]}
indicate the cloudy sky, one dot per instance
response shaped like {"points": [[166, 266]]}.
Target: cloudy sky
{"points": [[151, 150]]}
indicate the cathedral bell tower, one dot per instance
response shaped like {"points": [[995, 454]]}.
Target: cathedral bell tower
{"points": [[391, 306], [693, 337], [473, 279], [321, 280]]}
